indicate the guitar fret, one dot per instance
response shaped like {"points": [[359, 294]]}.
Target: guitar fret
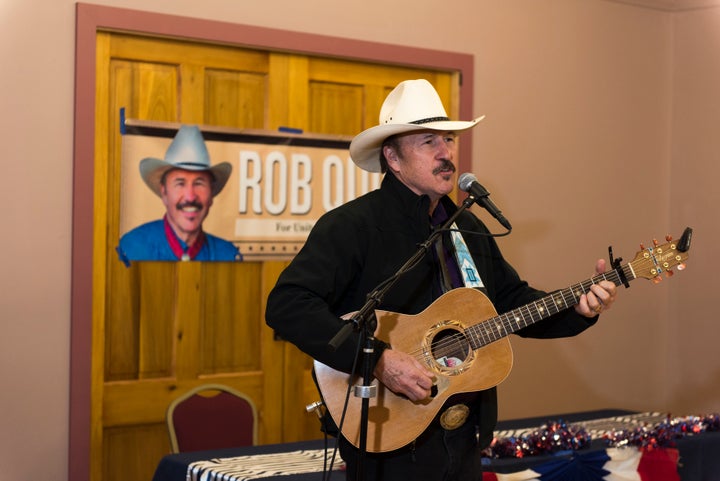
{"points": [[558, 303], [629, 271], [486, 339], [560, 300], [501, 333], [577, 292], [530, 314], [527, 308], [513, 319], [492, 330], [533, 316], [485, 334], [475, 341], [540, 310], [546, 309]]}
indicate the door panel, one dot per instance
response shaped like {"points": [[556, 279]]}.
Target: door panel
{"points": [[235, 98], [335, 108], [229, 331]]}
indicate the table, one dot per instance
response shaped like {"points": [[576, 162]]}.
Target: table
{"points": [[308, 464], [699, 455]]}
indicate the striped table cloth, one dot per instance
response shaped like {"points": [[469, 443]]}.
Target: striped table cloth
{"points": [[259, 466]]}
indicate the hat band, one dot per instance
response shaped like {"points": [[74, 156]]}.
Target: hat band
{"points": [[182, 165], [430, 119]]}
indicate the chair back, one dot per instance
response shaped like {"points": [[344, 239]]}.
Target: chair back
{"points": [[211, 416]]}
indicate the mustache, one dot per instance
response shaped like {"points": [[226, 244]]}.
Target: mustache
{"points": [[446, 165], [192, 203]]}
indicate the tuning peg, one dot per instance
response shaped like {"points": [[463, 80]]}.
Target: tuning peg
{"points": [[681, 267], [642, 246], [656, 280], [669, 273], [668, 237], [655, 242]]}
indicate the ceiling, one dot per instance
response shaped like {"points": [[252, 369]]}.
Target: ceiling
{"points": [[672, 5]]}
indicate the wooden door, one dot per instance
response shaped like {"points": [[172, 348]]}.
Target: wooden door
{"points": [[161, 328]]}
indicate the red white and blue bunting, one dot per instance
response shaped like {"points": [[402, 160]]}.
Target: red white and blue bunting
{"points": [[645, 452], [613, 464]]}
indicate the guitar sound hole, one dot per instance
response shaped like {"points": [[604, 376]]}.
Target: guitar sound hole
{"points": [[450, 349]]}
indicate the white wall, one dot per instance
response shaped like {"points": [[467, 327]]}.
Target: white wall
{"points": [[599, 131], [36, 101]]}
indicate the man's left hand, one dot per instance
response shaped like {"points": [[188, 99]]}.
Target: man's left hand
{"points": [[600, 297]]}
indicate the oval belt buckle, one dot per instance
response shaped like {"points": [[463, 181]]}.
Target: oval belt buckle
{"points": [[454, 416]]}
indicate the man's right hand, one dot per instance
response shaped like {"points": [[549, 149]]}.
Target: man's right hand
{"points": [[403, 374]]}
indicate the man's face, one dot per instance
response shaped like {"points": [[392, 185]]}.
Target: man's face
{"points": [[187, 197], [425, 162]]}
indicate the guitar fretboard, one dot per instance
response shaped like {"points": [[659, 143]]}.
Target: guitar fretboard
{"points": [[498, 327]]}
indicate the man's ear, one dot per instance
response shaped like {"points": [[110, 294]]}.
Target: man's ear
{"points": [[391, 157]]}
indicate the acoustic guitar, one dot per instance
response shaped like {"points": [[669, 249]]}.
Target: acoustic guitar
{"points": [[465, 342]]}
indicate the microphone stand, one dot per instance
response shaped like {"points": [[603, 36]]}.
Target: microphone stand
{"points": [[365, 322]]}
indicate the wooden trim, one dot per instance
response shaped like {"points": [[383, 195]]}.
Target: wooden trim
{"points": [[93, 18], [82, 242]]}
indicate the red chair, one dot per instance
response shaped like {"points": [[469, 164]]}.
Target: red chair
{"points": [[211, 416]]}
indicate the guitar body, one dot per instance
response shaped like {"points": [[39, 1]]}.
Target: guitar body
{"points": [[436, 338]]}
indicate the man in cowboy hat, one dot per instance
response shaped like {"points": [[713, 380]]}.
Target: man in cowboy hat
{"points": [[354, 248], [187, 184]]}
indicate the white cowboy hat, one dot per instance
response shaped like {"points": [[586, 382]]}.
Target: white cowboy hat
{"points": [[412, 105], [187, 151]]}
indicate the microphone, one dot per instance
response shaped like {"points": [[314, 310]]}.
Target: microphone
{"points": [[469, 183]]}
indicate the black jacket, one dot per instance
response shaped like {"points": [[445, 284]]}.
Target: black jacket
{"points": [[355, 247]]}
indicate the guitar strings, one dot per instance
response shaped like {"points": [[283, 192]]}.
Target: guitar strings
{"points": [[503, 324], [507, 323]]}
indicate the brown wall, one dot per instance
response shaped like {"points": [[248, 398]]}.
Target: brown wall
{"points": [[693, 365], [599, 131]]}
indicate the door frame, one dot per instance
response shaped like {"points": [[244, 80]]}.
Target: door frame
{"points": [[93, 18]]}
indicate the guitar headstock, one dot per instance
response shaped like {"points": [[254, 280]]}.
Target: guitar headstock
{"points": [[659, 259]]}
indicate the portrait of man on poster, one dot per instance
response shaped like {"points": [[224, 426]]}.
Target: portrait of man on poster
{"points": [[187, 183]]}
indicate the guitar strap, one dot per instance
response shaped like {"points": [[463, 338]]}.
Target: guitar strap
{"points": [[468, 270], [463, 272]]}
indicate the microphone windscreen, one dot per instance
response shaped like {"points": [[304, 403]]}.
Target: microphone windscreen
{"points": [[465, 181]]}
